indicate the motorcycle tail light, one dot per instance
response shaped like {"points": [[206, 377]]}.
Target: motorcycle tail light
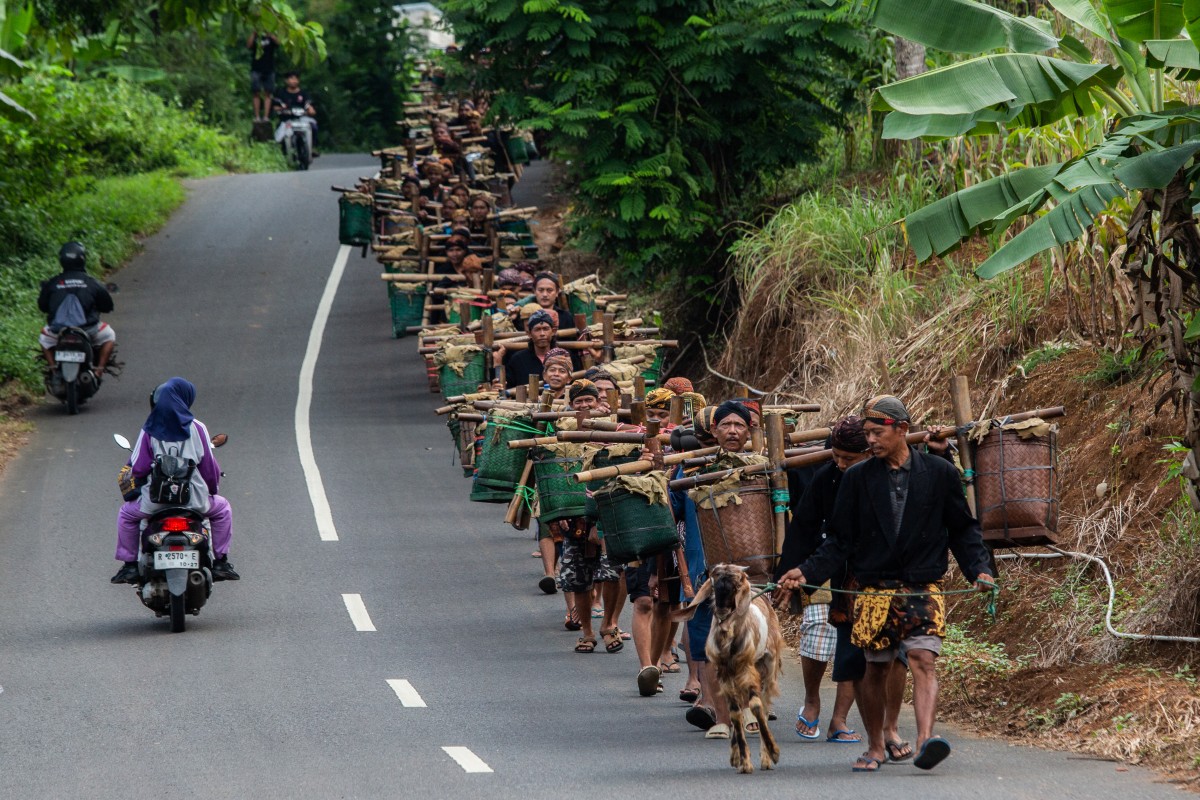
{"points": [[155, 539], [175, 548], [197, 538], [175, 524]]}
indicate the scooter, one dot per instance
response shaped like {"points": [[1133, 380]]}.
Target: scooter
{"points": [[71, 378], [295, 134], [175, 559]]}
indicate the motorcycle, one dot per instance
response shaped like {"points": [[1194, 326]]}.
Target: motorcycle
{"points": [[295, 135], [71, 379], [175, 559]]}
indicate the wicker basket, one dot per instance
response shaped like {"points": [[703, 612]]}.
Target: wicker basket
{"points": [[634, 528], [742, 534], [475, 373], [407, 308], [1016, 489], [559, 495], [498, 467]]}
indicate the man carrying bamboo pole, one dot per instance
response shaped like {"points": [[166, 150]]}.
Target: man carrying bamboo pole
{"points": [[895, 517]]}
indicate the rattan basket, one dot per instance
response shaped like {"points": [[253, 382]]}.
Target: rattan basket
{"points": [[1016, 488], [742, 534], [634, 528]]}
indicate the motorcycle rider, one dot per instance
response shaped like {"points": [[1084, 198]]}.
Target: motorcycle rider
{"points": [[292, 96], [171, 427], [92, 297]]}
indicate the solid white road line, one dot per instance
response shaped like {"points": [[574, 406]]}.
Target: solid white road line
{"points": [[358, 612], [312, 475], [467, 760], [407, 694]]}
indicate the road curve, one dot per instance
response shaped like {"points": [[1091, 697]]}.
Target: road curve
{"points": [[466, 687]]}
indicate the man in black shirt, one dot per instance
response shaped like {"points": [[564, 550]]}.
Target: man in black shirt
{"points": [[262, 47], [292, 96], [89, 298]]}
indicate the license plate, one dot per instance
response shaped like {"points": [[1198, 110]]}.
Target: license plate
{"points": [[177, 559], [74, 356]]}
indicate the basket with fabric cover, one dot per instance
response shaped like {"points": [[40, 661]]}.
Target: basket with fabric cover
{"points": [[559, 495], [609, 456], [408, 306], [1016, 484], [498, 468], [737, 525], [461, 369], [355, 219], [636, 517]]}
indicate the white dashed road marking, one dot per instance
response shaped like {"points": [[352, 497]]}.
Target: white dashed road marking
{"points": [[467, 760], [358, 612], [407, 694]]}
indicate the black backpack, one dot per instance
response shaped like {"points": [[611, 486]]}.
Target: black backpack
{"points": [[171, 479]]}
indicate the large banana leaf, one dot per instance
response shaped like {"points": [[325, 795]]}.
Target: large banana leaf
{"points": [[940, 227], [1191, 20], [1172, 54], [1154, 170], [962, 26], [1014, 88], [1139, 20], [1061, 225], [1084, 14]]}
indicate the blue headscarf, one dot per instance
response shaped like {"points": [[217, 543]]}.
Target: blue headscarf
{"points": [[171, 418]]}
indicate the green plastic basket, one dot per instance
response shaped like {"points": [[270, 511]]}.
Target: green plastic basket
{"points": [[354, 222], [452, 314], [634, 528], [654, 371], [407, 309], [475, 373], [498, 467], [580, 306], [560, 496], [481, 493], [518, 151]]}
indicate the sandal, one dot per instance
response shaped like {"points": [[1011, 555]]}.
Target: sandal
{"points": [[585, 645], [671, 666], [625, 635], [689, 695], [898, 751], [612, 640], [866, 763], [571, 621]]}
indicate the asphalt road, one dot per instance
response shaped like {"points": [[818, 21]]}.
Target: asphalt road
{"points": [[272, 692]]}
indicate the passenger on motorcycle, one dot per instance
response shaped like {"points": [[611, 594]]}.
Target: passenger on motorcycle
{"points": [[171, 428], [94, 299], [292, 96]]}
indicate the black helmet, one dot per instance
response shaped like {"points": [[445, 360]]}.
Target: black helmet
{"points": [[73, 256]]}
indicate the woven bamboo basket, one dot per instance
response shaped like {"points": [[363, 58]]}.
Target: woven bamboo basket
{"points": [[1016, 489], [600, 460], [475, 373], [653, 372], [559, 495], [742, 534], [634, 528], [407, 309], [499, 468]]}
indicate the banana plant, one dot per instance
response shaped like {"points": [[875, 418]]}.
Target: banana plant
{"points": [[1015, 72], [14, 28]]}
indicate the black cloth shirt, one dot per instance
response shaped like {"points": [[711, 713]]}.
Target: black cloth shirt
{"points": [[936, 519], [812, 492], [296, 99], [520, 365], [92, 295], [262, 58]]}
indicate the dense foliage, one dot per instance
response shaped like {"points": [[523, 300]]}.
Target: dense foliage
{"points": [[666, 113]]}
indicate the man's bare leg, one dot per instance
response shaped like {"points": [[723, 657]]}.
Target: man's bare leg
{"points": [[925, 691], [870, 705], [609, 594], [841, 710], [662, 631], [813, 671], [643, 610], [103, 356], [583, 600], [711, 696], [896, 680]]}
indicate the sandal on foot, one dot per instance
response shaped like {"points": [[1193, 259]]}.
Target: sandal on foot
{"points": [[749, 722], [933, 752], [864, 764], [625, 635], [585, 645], [898, 751], [689, 695], [571, 622], [671, 666], [647, 681], [547, 586], [597, 612], [850, 736], [702, 718], [718, 731], [814, 725], [612, 641]]}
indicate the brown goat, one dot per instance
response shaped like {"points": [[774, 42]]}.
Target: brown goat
{"points": [[745, 648]]}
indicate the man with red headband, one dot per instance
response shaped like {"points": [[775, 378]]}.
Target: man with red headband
{"points": [[895, 517]]}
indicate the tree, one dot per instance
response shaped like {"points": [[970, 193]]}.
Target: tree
{"points": [[1148, 154], [664, 112]]}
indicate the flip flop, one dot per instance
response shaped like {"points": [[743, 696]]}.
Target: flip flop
{"points": [[836, 738], [547, 586], [702, 718], [816, 733], [647, 681], [865, 760], [933, 752], [893, 747], [689, 695]]}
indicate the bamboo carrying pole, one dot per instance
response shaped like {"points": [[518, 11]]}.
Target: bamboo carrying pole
{"points": [[779, 481], [635, 467], [960, 401]]}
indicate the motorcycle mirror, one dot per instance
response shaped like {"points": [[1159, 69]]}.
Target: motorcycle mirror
{"points": [[122, 441], [112, 287], [220, 439]]}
